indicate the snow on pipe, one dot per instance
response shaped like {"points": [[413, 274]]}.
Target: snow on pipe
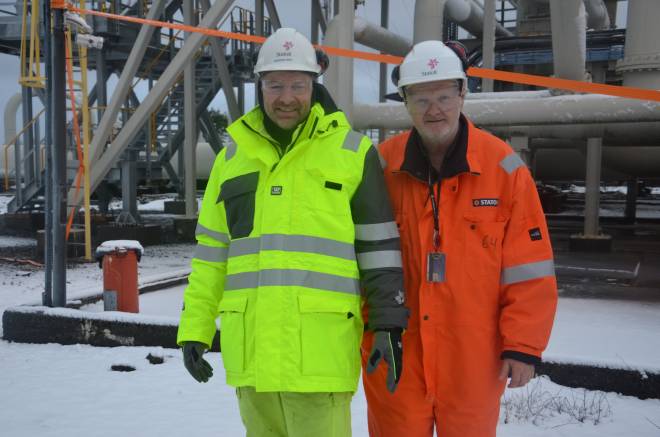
{"points": [[570, 109]]}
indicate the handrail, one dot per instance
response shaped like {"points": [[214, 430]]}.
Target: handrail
{"points": [[13, 142]]}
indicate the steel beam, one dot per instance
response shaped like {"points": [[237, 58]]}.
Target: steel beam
{"points": [[272, 13], [123, 86], [218, 54], [156, 95]]}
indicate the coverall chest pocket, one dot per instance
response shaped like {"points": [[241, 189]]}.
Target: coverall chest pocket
{"points": [[232, 332], [239, 195], [482, 246], [329, 336]]}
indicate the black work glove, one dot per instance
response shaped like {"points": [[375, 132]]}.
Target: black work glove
{"points": [[387, 344], [197, 366]]}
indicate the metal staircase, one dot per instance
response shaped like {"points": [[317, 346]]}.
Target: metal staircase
{"points": [[167, 131]]}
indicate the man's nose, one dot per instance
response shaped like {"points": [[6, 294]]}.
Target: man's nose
{"points": [[287, 95]]}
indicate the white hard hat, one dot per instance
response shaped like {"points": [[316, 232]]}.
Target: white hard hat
{"points": [[287, 49], [429, 61]]}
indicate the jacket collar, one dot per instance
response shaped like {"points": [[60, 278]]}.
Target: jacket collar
{"points": [[416, 161]]}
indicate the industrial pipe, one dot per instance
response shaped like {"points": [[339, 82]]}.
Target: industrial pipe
{"points": [[379, 38], [569, 109]]}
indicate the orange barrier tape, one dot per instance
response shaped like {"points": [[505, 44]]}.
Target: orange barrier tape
{"points": [[566, 84], [505, 76]]}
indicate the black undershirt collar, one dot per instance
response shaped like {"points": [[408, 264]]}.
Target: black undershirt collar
{"points": [[417, 164]]}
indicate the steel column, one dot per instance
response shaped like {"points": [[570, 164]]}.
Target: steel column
{"points": [[47, 295], [592, 185], [190, 120], [59, 161]]}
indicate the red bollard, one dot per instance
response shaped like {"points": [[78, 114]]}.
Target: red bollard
{"points": [[119, 259]]}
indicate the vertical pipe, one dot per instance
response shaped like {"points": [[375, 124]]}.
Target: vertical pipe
{"points": [[488, 45], [47, 295], [592, 182], [641, 63], [429, 15], [346, 19], [190, 120], [382, 77], [59, 161], [569, 38]]}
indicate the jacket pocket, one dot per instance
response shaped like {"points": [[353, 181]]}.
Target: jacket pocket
{"points": [[482, 251], [239, 195], [329, 336], [323, 190], [232, 332]]}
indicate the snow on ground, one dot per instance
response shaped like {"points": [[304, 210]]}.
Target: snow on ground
{"points": [[24, 283], [54, 390], [62, 391], [4, 200]]}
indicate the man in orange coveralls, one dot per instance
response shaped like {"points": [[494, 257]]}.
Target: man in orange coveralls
{"points": [[478, 264]]}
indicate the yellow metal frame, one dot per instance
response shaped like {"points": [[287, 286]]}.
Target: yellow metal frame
{"points": [[31, 56]]}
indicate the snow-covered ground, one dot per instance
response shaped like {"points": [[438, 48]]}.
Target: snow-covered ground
{"points": [[64, 391]]}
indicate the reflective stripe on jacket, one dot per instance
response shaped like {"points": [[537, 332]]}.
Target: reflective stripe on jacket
{"points": [[288, 249]]}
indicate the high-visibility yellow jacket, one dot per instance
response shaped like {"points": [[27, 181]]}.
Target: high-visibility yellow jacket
{"points": [[290, 245]]}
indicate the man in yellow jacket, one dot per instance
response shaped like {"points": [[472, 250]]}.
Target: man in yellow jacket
{"points": [[295, 235]]}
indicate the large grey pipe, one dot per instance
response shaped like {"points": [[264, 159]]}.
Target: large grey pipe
{"points": [[11, 108], [573, 109]]}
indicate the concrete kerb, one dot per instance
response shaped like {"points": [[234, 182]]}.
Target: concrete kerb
{"points": [[38, 324], [33, 323]]}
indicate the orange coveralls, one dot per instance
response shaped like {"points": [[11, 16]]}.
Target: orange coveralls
{"points": [[499, 296]]}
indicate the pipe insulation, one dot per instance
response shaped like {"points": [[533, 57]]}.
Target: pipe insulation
{"points": [[569, 109]]}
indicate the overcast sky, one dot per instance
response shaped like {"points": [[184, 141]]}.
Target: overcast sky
{"points": [[292, 14]]}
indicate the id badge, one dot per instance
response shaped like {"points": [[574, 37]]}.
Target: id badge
{"points": [[435, 267]]}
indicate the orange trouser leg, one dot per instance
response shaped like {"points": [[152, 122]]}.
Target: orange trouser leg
{"points": [[406, 413], [470, 423]]}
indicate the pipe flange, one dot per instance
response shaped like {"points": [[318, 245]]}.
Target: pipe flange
{"points": [[645, 62]]}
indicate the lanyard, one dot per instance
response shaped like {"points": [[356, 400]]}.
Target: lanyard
{"points": [[435, 203]]}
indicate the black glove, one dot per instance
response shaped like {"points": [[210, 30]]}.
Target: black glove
{"points": [[387, 344], [197, 366]]}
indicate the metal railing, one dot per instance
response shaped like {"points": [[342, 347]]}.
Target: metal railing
{"points": [[12, 142]]}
